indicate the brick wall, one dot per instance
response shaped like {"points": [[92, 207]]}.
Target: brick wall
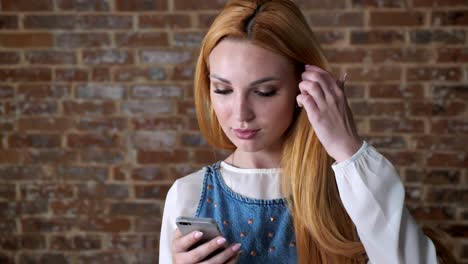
{"points": [[97, 119]]}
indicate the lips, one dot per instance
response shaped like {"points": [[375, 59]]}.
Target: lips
{"points": [[246, 133]]}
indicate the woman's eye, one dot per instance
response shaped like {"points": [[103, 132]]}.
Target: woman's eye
{"points": [[266, 94], [225, 91]]}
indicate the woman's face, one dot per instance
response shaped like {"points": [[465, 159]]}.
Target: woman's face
{"points": [[253, 93]]}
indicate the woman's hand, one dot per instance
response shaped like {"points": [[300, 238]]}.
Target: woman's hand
{"points": [[181, 255], [327, 109]]}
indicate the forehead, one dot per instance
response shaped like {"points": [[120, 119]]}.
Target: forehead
{"points": [[232, 58]]}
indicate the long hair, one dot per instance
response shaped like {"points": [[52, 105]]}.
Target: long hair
{"points": [[324, 231]]}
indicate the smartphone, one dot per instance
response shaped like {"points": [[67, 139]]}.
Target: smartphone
{"points": [[207, 226]]}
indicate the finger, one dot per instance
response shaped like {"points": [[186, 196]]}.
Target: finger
{"points": [[202, 251], [183, 243], [235, 259], [326, 81], [313, 89], [228, 254], [309, 105]]}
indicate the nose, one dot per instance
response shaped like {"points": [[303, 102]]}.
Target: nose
{"points": [[243, 111]]}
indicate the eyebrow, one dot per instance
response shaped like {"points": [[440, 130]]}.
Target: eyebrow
{"points": [[257, 82]]}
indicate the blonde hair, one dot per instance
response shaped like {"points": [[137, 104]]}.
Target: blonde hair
{"points": [[324, 231]]}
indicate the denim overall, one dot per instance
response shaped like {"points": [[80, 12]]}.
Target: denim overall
{"points": [[263, 227]]}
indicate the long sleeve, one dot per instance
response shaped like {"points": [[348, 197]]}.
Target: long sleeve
{"points": [[373, 195]]}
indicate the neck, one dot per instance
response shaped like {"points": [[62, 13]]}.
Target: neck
{"points": [[255, 160]]}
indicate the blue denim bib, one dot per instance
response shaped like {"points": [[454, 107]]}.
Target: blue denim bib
{"points": [[263, 227]]}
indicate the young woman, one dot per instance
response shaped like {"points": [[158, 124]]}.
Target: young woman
{"points": [[300, 186]]}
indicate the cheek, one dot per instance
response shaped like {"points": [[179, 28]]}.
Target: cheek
{"points": [[221, 109]]}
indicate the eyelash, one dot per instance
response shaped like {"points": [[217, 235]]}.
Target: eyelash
{"points": [[267, 94]]}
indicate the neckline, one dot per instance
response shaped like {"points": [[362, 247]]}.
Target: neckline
{"points": [[232, 168]]}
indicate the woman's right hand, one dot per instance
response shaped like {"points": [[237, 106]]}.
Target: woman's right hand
{"points": [[181, 244]]}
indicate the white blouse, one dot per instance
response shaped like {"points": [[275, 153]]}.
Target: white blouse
{"points": [[370, 189]]}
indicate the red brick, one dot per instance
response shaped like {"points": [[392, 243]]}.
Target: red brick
{"points": [[386, 37], [456, 230], [162, 157], [439, 3], [375, 74], [77, 207], [132, 74], [166, 56], [339, 55], [101, 92], [7, 191], [8, 22], [159, 91], [199, 5], [53, 258], [450, 18], [141, 5], [93, 140], [428, 142], [447, 160], [443, 92], [443, 195], [36, 108], [102, 124], [51, 156], [50, 57], [147, 108], [8, 226], [432, 212], [428, 108], [83, 5], [26, 75], [105, 257], [102, 156], [45, 124], [171, 21], [45, 225], [6, 125], [147, 224], [34, 141], [8, 57], [326, 37], [75, 243], [183, 73], [82, 40], [9, 242], [102, 191], [193, 140], [49, 22], [105, 22], [46, 190], [145, 174], [134, 242], [26, 40], [396, 91], [455, 55], [188, 39], [379, 3], [10, 156], [22, 173], [135, 209], [158, 123], [100, 74], [26, 5], [436, 36], [336, 19], [82, 174], [71, 75], [454, 126], [393, 55], [42, 91], [205, 156], [89, 108], [154, 140], [141, 39], [397, 126], [433, 73], [6, 92], [396, 18], [34, 242], [152, 191], [108, 57], [390, 142], [205, 20]]}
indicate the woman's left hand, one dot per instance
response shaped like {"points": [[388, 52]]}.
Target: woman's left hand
{"points": [[328, 111]]}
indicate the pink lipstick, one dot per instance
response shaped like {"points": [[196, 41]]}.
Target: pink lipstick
{"points": [[246, 133]]}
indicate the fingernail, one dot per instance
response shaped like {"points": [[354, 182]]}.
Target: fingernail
{"points": [[307, 66], [236, 247], [221, 241], [198, 234]]}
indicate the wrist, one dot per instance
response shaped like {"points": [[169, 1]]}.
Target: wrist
{"points": [[348, 150]]}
